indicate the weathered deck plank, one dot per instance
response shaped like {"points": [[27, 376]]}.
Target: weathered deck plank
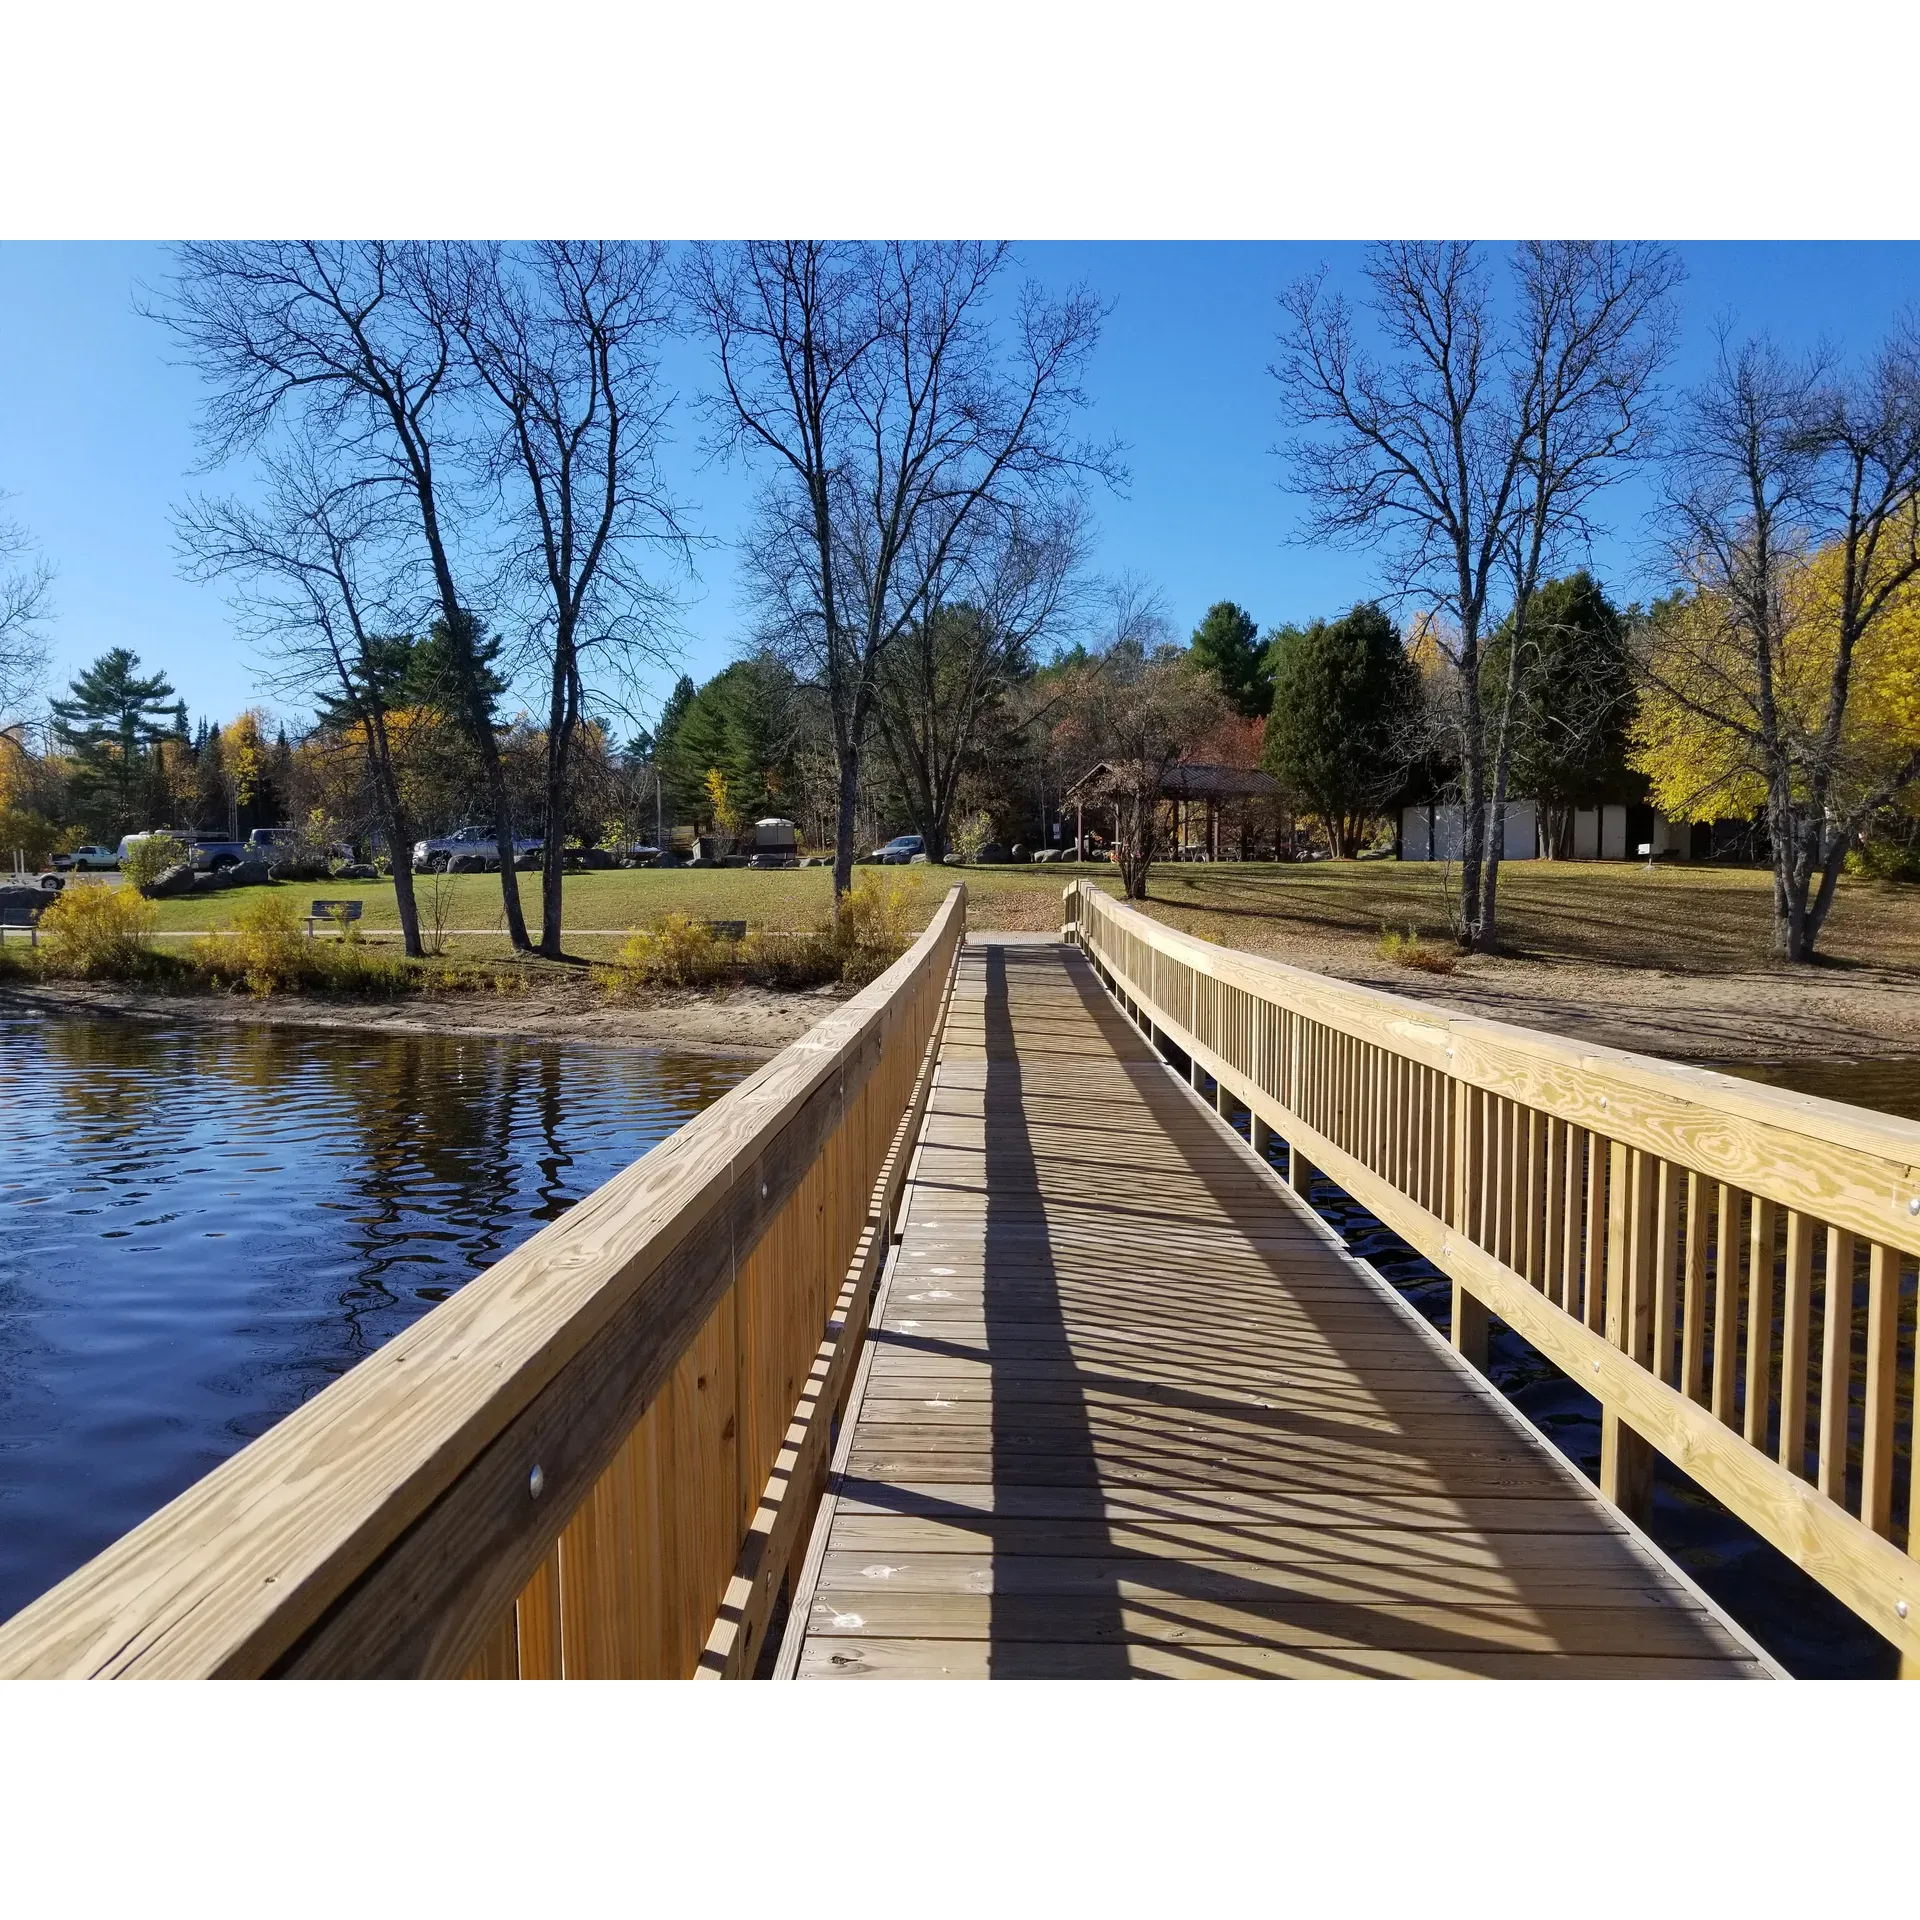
{"points": [[1127, 1412]]}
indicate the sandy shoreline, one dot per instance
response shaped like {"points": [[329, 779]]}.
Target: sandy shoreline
{"points": [[746, 1023], [1767, 1014]]}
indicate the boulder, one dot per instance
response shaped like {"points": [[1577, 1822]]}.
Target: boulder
{"points": [[993, 854], [297, 870], [526, 863], [361, 871], [596, 859], [250, 873], [170, 882], [467, 863]]}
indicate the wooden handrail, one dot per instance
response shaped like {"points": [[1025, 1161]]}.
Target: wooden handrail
{"points": [[558, 1471], [1719, 1263]]}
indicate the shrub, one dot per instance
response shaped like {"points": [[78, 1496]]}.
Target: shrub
{"points": [[969, 836], [1883, 860], [872, 927], [268, 947], [789, 960], [680, 952], [1409, 950], [147, 859], [97, 933]]}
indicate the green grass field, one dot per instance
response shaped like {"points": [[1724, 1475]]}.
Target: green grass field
{"points": [[1692, 919]]}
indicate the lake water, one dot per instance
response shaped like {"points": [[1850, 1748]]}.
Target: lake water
{"points": [[199, 1229]]}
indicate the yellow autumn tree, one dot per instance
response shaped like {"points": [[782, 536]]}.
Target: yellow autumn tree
{"points": [[1697, 734]]}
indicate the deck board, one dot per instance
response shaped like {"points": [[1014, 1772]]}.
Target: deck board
{"points": [[1127, 1412]]}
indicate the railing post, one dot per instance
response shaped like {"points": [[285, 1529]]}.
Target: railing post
{"points": [[1626, 1461]]}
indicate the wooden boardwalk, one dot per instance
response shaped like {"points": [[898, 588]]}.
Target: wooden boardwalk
{"points": [[1128, 1410]]}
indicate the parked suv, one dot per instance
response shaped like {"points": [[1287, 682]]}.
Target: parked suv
{"points": [[469, 843]]}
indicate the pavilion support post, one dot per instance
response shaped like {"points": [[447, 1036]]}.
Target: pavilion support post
{"points": [[1262, 1134], [1223, 1102], [1079, 829]]}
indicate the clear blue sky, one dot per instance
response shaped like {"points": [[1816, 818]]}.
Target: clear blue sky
{"points": [[96, 433]]}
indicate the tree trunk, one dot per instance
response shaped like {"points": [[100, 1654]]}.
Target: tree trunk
{"points": [[399, 832], [563, 714], [843, 826]]}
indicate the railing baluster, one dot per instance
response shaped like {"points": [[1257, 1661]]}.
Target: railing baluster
{"points": [[1666, 1264], [1883, 1322], [1763, 1218], [1794, 1344], [1594, 1252], [1836, 1365], [1693, 1311], [1726, 1304]]}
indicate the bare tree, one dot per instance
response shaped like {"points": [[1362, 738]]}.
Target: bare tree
{"points": [[26, 599], [319, 588], [359, 343], [562, 337], [1135, 710], [1002, 594], [1794, 504], [875, 384], [1472, 449]]}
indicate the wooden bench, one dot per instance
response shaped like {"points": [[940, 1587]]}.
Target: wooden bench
{"points": [[337, 910]]}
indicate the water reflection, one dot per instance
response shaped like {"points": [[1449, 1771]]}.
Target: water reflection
{"points": [[200, 1229]]}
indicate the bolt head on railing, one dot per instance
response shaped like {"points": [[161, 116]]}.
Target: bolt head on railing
{"points": [[536, 1483]]}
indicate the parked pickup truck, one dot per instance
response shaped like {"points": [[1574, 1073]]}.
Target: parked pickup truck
{"points": [[470, 850], [206, 852], [87, 860]]}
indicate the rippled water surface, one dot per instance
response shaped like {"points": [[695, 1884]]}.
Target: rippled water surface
{"points": [[200, 1229]]}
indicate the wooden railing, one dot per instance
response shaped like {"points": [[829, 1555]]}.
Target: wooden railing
{"points": [[1724, 1266], [599, 1458]]}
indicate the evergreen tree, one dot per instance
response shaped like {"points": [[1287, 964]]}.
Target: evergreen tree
{"points": [[681, 786], [1343, 695], [211, 787], [112, 716], [1573, 704], [1227, 644]]}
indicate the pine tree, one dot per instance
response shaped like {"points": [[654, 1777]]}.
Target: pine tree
{"points": [[1227, 644], [112, 715], [210, 784]]}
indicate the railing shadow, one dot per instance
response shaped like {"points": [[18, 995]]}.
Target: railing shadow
{"points": [[1436, 1532]]}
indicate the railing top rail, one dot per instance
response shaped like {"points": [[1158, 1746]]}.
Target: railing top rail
{"points": [[1853, 1167], [228, 1576]]}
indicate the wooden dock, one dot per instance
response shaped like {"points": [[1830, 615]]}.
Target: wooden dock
{"points": [[1129, 1410]]}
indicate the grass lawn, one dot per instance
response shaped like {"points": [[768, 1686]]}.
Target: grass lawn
{"points": [[1681, 918]]}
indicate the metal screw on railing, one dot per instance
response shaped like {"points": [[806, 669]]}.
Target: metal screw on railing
{"points": [[1913, 1205], [1900, 1607], [536, 1483]]}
